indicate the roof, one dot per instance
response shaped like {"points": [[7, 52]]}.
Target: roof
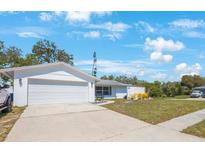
{"points": [[10, 71], [110, 83]]}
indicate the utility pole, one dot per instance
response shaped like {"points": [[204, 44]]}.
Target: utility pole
{"points": [[94, 69]]}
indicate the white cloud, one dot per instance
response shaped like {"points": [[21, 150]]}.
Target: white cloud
{"points": [[72, 16], [188, 23], [113, 36], [112, 30], [159, 76], [194, 34], [92, 34], [30, 32], [29, 35], [81, 17], [137, 68], [116, 66], [109, 26], [159, 45], [184, 69], [58, 13], [77, 16], [46, 16], [144, 27], [159, 57], [103, 13], [89, 34]]}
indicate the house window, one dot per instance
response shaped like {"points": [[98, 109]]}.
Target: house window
{"points": [[101, 91]]}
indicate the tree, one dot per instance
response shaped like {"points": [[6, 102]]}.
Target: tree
{"points": [[2, 55], [13, 57], [154, 89], [9, 57], [192, 81], [30, 59], [47, 52], [62, 56], [110, 77]]}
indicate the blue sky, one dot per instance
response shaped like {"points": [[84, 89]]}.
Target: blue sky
{"points": [[151, 45]]}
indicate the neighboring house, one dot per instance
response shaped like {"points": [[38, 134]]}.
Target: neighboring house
{"points": [[61, 83], [109, 89]]}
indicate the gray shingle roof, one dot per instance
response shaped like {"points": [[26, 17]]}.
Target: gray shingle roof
{"points": [[110, 83]]}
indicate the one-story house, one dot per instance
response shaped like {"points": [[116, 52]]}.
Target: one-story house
{"points": [[59, 83], [109, 89]]}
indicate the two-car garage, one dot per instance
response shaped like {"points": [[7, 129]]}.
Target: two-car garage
{"points": [[55, 91], [51, 84]]}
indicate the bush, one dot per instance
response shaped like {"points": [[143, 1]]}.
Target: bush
{"points": [[137, 96]]}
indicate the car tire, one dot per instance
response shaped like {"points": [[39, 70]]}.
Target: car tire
{"points": [[9, 106]]}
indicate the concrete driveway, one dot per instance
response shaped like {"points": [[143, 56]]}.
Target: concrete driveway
{"points": [[87, 122]]}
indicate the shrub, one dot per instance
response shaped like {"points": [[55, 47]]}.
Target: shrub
{"points": [[137, 96]]}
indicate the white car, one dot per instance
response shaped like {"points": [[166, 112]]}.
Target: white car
{"points": [[196, 94], [6, 100]]}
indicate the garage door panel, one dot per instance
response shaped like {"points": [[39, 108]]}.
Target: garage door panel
{"points": [[46, 91], [56, 89]]}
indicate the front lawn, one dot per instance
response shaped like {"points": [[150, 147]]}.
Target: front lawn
{"points": [[197, 129], [182, 96], [7, 120], [157, 110]]}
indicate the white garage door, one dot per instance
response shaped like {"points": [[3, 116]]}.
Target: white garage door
{"points": [[52, 91]]}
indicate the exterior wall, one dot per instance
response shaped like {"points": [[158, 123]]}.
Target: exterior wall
{"points": [[117, 92], [133, 90], [91, 92], [121, 92], [58, 75], [20, 91], [55, 76]]}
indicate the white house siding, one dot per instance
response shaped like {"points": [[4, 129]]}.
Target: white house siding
{"points": [[120, 92], [91, 91], [132, 90], [20, 91], [117, 92], [58, 75], [50, 73]]}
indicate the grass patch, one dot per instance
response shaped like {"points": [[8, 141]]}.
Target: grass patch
{"points": [[197, 129], [7, 120], [157, 110], [182, 97]]}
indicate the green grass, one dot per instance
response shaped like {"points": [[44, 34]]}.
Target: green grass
{"points": [[157, 110], [7, 120], [182, 97], [197, 129]]}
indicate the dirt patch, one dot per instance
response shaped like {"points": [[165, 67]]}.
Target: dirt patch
{"points": [[7, 120]]}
